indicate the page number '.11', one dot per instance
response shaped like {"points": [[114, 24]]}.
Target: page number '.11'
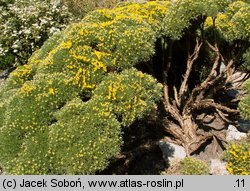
{"points": [[240, 183]]}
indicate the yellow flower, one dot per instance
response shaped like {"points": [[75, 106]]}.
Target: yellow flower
{"points": [[51, 91], [244, 173], [141, 75], [78, 76], [22, 71], [26, 89], [112, 91], [114, 61], [70, 65], [222, 16], [83, 32], [67, 45], [234, 147], [209, 22], [99, 65]]}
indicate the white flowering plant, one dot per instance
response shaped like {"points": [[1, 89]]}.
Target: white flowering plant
{"points": [[25, 25]]}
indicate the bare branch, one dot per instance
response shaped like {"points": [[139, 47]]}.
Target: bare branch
{"points": [[176, 97], [209, 103], [210, 81], [215, 65], [191, 59], [223, 116], [175, 130], [169, 107], [238, 79], [199, 90], [166, 96], [174, 141]]}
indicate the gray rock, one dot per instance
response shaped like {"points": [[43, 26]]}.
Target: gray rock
{"points": [[4, 74], [218, 167], [234, 134], [171, 151]]}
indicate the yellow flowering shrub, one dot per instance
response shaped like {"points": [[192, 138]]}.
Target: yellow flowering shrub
{"points": [[234, 23], [238, 158], [183, 13], [63, 112], [83, 138], [130, 95]]}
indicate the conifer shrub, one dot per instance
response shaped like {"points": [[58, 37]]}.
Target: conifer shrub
{"points": [[64, 111]]}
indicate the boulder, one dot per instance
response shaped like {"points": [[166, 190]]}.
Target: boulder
{"points": [[4, 74], [234, 134], [172, 152]]}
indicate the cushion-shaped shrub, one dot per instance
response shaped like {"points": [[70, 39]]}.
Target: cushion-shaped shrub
{"points": [[130, 95], [192, 166], [63, 112]]}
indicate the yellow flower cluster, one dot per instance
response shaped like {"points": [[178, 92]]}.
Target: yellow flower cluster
{"points": [[26, 88], [112, 91], [82, 77], [125, 95], [152, 12], [238, 159], [52, 91], [22, 72], [234, 22]]}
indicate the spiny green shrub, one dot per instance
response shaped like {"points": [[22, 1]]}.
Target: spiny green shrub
{"points": [[64, 111], [238, 158], [192, 166], [25, 25]]}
